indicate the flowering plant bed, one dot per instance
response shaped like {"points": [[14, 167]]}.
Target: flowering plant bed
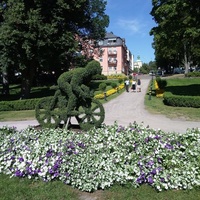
{"points": [[101, 157]]}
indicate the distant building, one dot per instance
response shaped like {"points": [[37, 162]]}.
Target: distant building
{"points": [[137, 64], [114, 56]]}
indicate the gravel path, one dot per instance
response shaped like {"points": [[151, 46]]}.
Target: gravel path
{"points": [[127, 108]]}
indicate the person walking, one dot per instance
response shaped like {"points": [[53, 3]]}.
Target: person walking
{"points": [[133, 85], [127, 85], [138, 85]]}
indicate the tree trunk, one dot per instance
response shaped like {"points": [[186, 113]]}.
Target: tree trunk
{"points": [[186, 60], [5, 90], [27, 80]]}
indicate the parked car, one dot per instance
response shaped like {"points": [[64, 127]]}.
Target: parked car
{"points": [[178, 70], [152, 73], [159, 73]]}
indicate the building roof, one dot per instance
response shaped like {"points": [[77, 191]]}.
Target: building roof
{"points": [[110, 35]]}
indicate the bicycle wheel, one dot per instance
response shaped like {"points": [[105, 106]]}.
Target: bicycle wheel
{"points": [[49, 111], [90, 115]]}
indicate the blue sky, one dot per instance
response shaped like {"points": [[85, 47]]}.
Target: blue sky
{"points": [[130, 19]]}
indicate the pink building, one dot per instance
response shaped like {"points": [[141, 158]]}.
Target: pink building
{"points": [[113, 55]]}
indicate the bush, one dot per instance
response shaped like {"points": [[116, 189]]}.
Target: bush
{"points": [[121, 80], [99, 77], [102, 86], [181, 101], [162, 83], [25, 104], [113, 85], [193, 74]]}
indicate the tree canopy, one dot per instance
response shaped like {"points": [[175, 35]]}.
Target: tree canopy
{"points": [[177, 32], [37, 35]]}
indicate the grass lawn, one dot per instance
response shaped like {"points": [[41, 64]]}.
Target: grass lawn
{"points": [[23, 188], [179, 86]]}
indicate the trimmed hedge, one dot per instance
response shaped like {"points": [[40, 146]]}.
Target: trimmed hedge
{"points": [[193, 74], [181, 101], [25, 104]]}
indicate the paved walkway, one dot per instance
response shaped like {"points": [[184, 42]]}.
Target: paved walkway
{"points": [[127, 108]]}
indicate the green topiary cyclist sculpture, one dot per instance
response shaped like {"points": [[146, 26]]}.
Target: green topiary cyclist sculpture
{"points": [[73, 98]]}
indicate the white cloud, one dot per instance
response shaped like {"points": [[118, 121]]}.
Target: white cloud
{"points": [[132, 26]]}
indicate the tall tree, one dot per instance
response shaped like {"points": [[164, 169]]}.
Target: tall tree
{"points": [[178, 30], [37, 35]]}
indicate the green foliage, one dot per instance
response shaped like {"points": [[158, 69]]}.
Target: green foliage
{"points": [[40, 35], [27, 104], [99, 77], [72, 98], [162, 83], [114, 85], [176, 35], [120, 80], [102, 86], [181, 101], [183, 92], [193, 74]]}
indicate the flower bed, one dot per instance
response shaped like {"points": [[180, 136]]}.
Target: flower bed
{"points": [[110, 92], [102, 157]]}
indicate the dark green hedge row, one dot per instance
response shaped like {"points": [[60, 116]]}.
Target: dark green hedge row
{"points": [[193, 74], [26, 104], [181, 101], [162, 83]]}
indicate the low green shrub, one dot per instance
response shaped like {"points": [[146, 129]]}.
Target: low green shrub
{"points": [[162, 83], [181, 101], [113, 85], [120, 80], [25, 104], [102, 86], [193, 74], [99, 77]]}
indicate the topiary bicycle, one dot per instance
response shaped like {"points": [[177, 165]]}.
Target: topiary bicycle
{"points": [[51, 112], [72, 98]]}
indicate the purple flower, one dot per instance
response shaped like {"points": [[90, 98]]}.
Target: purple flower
{"points": [[50, 171], [120, 128], [71, 146], [21, 159], [159, 160], [150, 180], [150, 163], [80, 144], [157, 137], [56, 174], [168, 146], [148, 139], [18, 173], [12, 158], [49, 153], [153, 172], [162, 180], [67, 174]]}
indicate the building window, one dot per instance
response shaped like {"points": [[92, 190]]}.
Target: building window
{"points": [[101, 59], [112, 50], [112, 41], [112, 68]]}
